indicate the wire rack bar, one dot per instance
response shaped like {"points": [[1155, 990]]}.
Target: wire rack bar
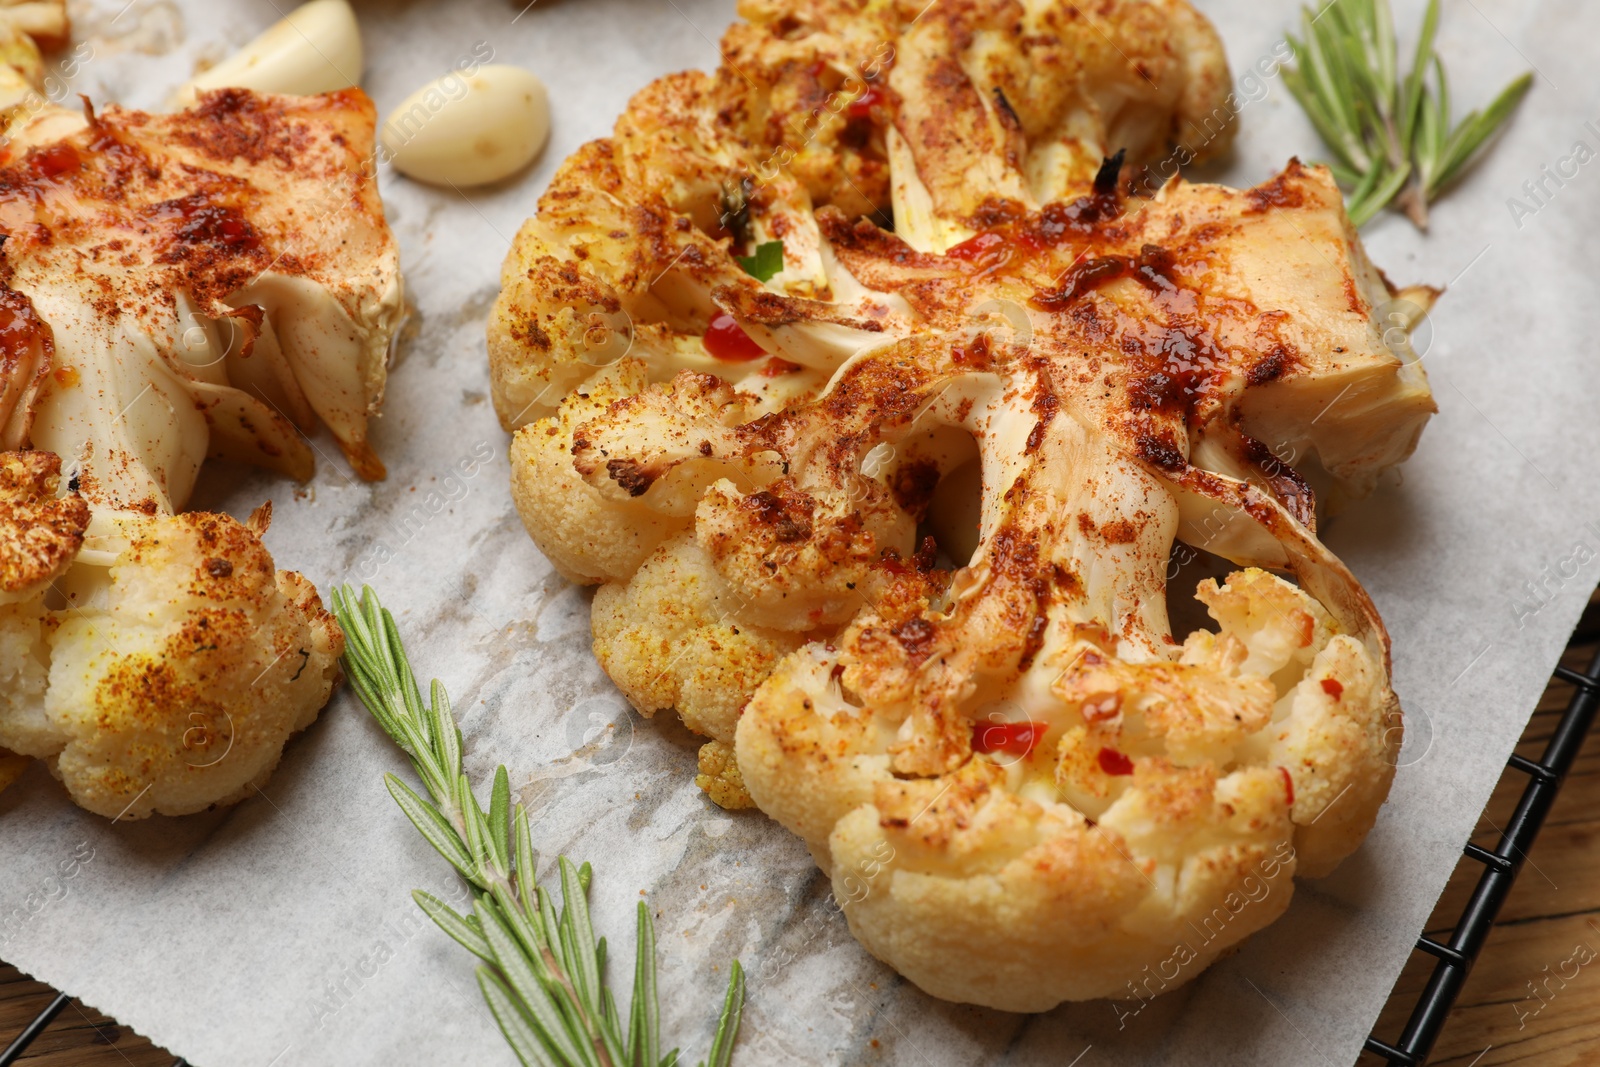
{"points": [[1501, 867], [33, 1030]]}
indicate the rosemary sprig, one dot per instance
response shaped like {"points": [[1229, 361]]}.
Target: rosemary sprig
{"points": [[1392, 136], [543, 971]]}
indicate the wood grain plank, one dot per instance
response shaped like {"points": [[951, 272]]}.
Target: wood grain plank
{"points": [[79, 1037]]}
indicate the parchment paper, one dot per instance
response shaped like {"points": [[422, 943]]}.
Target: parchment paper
{"points": [[280, 932]]}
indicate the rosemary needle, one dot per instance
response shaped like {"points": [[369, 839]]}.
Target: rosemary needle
{"points": [[1393, 137], [543, 971]]}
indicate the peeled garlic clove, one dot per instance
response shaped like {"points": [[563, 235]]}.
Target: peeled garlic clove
{"points": [[315, 49], [469, 129]]}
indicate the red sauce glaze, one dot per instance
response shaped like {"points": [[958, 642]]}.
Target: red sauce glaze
{"points": [[1057, 224], [1333, 688], [778, 368], [22, 333], [1151, 269], [725, 339], [1017, 738], [1288, 785], [213, 224], [1115, 763], [889, 559], [982, 249], [56, 160]]}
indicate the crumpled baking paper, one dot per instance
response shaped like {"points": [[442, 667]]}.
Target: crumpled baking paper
{"points": [[281, 932]]}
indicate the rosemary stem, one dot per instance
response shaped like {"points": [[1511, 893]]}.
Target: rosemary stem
{"points": [[1394, 135], [538, 1001]]}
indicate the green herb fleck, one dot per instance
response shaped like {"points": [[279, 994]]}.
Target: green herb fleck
{"points": [[767, 261]]}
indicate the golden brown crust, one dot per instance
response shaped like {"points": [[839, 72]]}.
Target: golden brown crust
{"points": [[178, 683], [719, 777], [40, 533]]}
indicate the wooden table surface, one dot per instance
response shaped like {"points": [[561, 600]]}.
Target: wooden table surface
{"points": [[1534, 997]]}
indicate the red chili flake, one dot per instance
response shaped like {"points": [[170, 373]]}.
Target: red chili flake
{"points": [[1017, 738], [1288, 785], [1308, 629], [837, 672], [1098, 707], [861, 107], [1115, 763], [725, 339], [1333, 688]]}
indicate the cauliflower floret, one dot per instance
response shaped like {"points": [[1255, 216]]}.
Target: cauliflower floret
{"points": [[590, 281], [1339, 744], [1160, 807], [671, 637], [24, 672], [719, 776], [40, 534], [589, 537], [177, 661], [180, 670], [1039, 905], [1005, 106]]}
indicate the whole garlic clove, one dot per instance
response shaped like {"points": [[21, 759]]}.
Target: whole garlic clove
{"points": [[316, 48], [469, 129]]}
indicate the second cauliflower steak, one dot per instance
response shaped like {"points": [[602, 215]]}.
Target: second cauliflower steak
{"points": [[213, 282], [1026, 790]]}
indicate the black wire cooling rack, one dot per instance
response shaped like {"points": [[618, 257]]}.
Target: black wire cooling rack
{"points": [[1455, 955], [1501, 866]]}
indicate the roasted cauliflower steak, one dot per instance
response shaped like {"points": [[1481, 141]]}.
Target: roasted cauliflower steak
{"points": [[209, 283], [894, 527]]}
